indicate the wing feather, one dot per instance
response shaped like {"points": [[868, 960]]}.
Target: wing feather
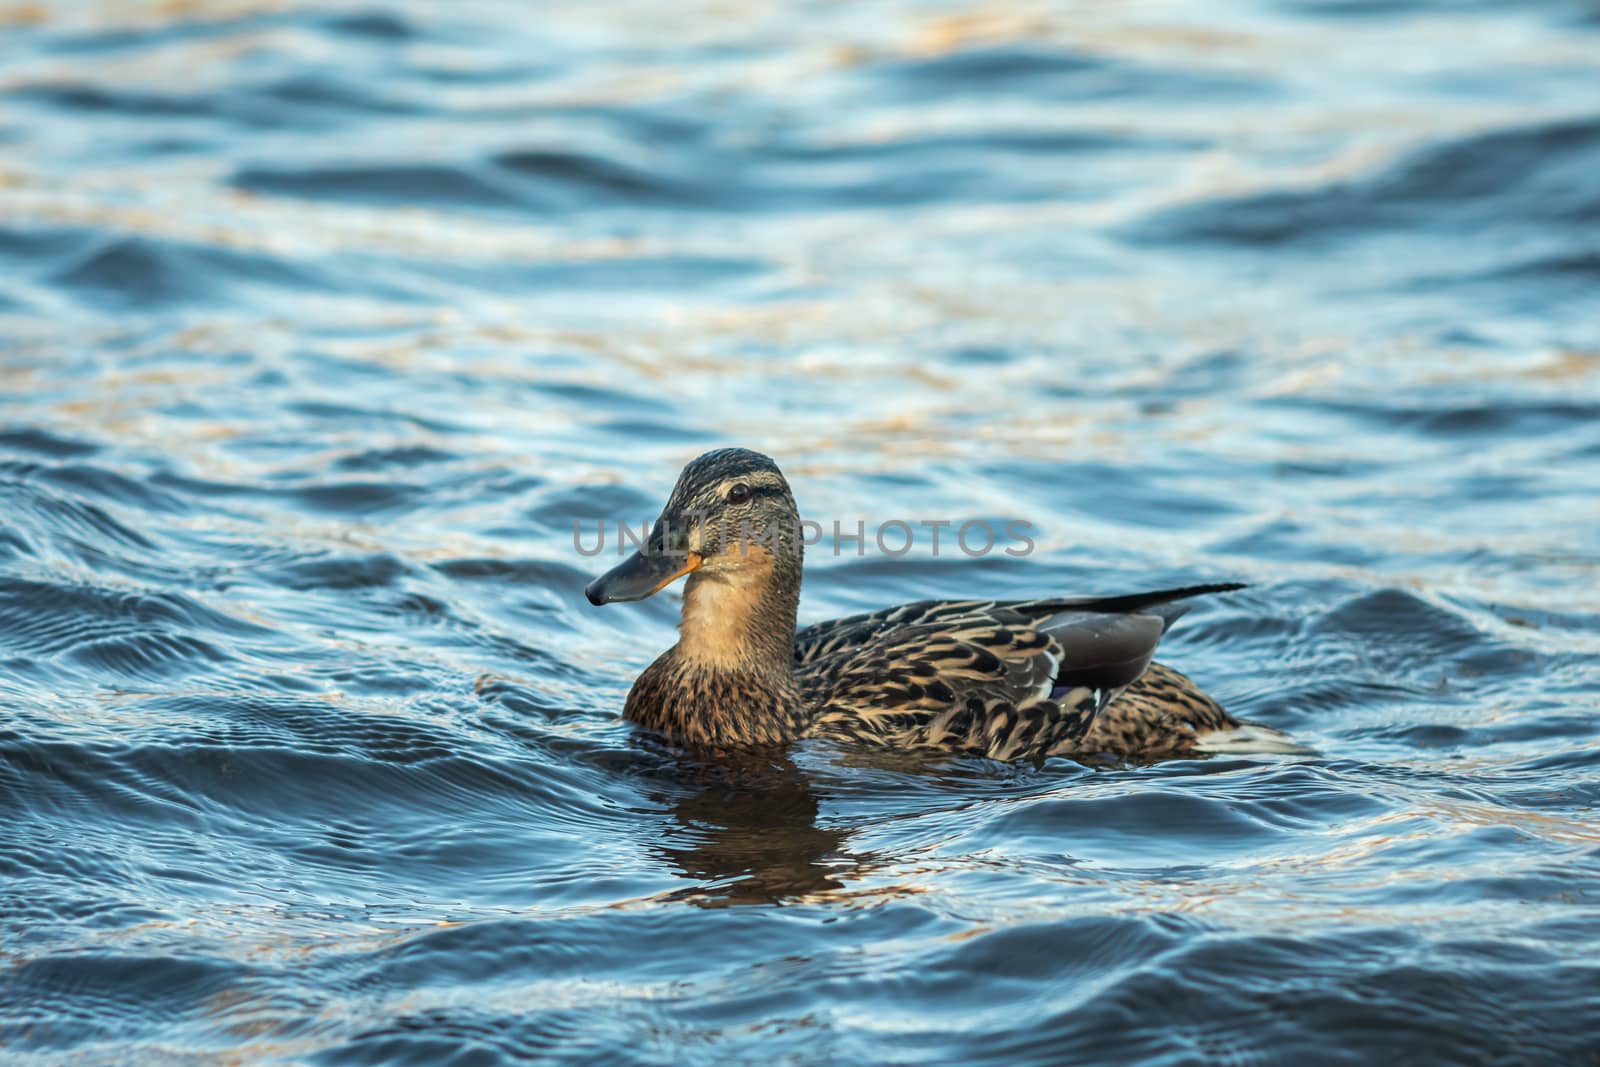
{"points": [[977, 676]]}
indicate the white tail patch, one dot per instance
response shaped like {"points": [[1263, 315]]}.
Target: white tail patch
{"points": [[1250, 739]]}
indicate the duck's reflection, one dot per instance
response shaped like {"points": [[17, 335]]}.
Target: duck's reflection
{"points": [[747, 832]]}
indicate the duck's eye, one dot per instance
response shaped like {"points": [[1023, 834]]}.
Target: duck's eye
{"points": [[738, 493]]}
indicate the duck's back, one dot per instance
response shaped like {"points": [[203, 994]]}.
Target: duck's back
{"points": [[969, 677], [1006, 680]]}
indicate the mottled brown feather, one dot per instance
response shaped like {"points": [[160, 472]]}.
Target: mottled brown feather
{"points": [[1157, 717]]}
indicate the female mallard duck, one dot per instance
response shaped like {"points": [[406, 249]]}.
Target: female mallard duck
{"points": [[1006, 680]]}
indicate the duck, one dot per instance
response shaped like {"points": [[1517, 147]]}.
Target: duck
{"points": [[1007, 680]]}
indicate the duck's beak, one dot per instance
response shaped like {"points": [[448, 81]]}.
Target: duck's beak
{"points": [[641, 575]]}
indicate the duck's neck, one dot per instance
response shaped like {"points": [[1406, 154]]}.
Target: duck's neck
{"points": [[742, 621], [729, 681]]}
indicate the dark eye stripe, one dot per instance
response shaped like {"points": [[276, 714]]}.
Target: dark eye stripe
{"points": [[757, 489], [765, 490]]}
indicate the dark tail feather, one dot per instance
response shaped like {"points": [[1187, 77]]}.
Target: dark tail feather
{"points": [[1132, 603]]}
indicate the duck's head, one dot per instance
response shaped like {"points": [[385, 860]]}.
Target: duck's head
{"points": [[730, 520]]}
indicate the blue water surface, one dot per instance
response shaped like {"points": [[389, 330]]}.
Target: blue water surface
{"points": [[321, 325]]}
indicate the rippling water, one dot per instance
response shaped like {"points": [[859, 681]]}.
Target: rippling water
{"points": [[320, 326]]}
